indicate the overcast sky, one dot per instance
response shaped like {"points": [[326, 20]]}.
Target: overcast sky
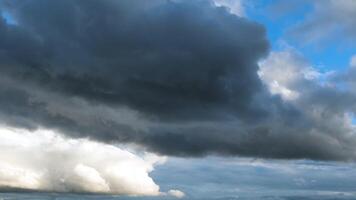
{"points": [[202, 99]]}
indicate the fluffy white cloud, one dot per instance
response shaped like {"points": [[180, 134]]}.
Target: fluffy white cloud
{"points": [[288, 74], [44, 160], [281, 71]]}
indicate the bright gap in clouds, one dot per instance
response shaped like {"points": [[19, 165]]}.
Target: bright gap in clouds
{"points": [[234, 6], [45, 161]]}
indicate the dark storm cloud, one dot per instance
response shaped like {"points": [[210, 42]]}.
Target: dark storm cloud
{"points": [[176, 60], [178, 78]]}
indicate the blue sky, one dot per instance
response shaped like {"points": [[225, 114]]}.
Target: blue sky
{"points": [[238, 177], [280, 18]]}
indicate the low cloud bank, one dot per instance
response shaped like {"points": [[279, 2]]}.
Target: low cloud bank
{"points": [[45, 161]]}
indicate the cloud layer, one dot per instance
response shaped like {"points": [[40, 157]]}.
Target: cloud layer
{"points": [[174, 77]]}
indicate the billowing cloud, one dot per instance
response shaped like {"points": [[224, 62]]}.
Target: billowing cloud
{"points": [[140, 58], [44, 160], [159, 65], [280, 71], [326, 108], [174, 77]]}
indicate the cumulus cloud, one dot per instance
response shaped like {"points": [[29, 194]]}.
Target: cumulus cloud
{"points": [[284, 73], [173, 77], [148, 63], [140, 60], [324, 105], [46, 161], [280, 71]]}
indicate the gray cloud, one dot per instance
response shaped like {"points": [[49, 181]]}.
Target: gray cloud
{"points": [[177, 78], [141, 59], [328, 19]]}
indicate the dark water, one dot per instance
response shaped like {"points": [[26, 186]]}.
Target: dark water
{"points": [[52, 196]]}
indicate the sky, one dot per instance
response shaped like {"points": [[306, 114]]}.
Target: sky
{"points": [[178, 99]]}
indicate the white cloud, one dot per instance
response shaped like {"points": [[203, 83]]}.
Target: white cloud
{"points": [[234, 6], [286, 73], [280, 71], [176, 193], [44, 160]]}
